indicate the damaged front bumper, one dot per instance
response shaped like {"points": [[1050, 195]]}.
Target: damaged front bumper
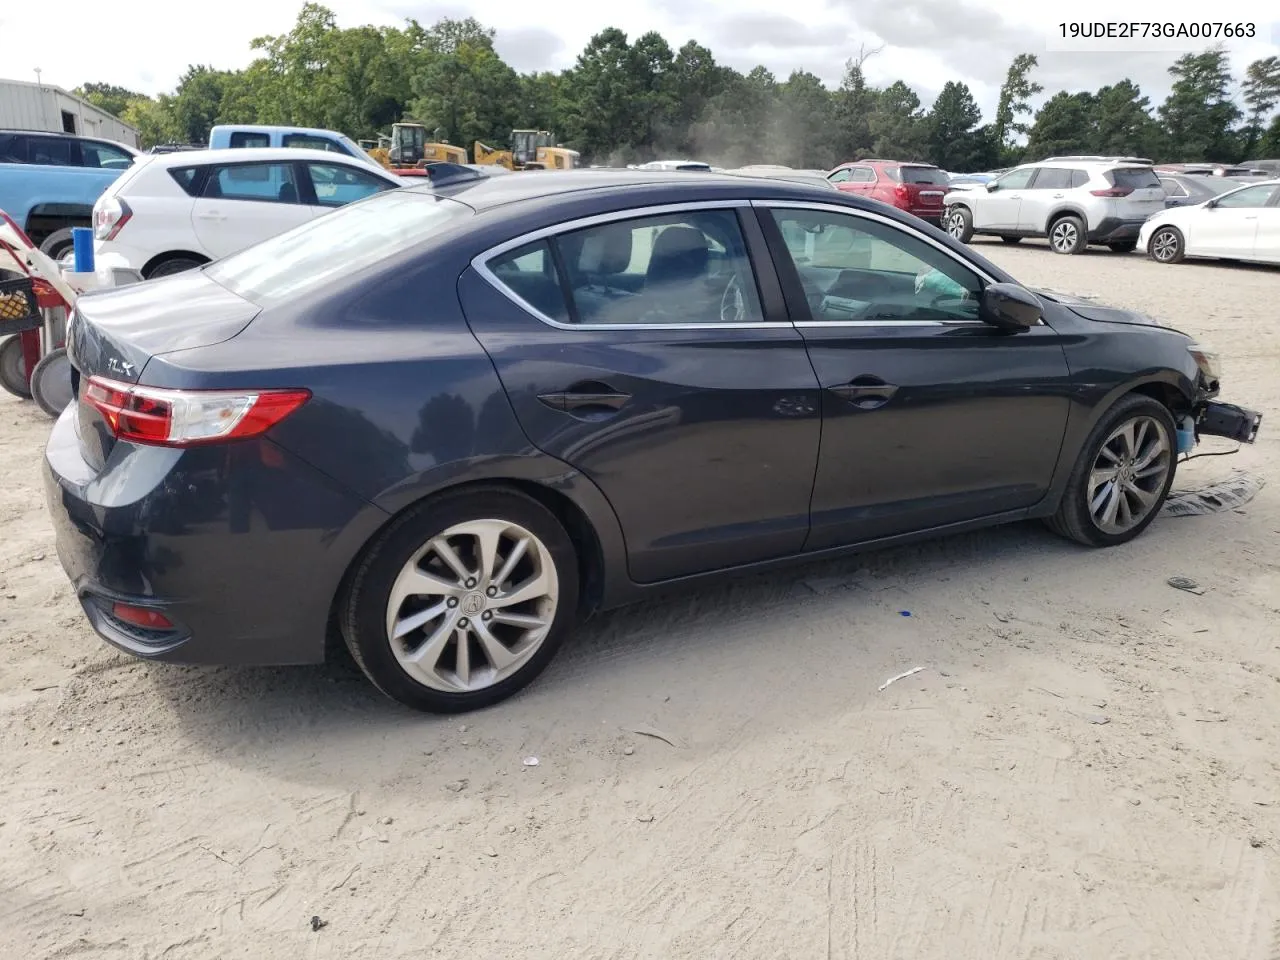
{"points": [[1218, 419]]}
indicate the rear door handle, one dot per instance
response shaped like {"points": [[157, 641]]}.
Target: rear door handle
{"points": [[211, 215], [1058, 196], [865, 392]]}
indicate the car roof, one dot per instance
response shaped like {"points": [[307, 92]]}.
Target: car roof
{"points": [[67, 136], [554, 188], [277, 128], [185, 158]]}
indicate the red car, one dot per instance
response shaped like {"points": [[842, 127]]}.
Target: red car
{"points": [[917, 188]]}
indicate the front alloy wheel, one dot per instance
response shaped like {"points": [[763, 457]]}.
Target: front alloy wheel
{"points": [[1166, 245], [1128, 475], [472, 606]]}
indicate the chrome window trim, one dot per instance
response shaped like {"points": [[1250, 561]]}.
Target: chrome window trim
{"points": [[480, 263], [870, 215]]}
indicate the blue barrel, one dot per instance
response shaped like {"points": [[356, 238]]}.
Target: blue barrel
{"points": [[82, 238]]}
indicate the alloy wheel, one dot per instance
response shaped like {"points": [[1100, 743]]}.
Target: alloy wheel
{"points": [[1065, 236], [1128, 474], [1164, 246], [955, 225], [472, 606]]}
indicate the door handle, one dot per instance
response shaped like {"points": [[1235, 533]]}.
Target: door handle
{"points": [[1058, 196], [581, 397], [1254, 217], [865, 392], [211, 215]]}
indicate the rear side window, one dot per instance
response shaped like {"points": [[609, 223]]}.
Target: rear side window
{"points": [[53, 151], [1052, 178], [1079, 178], [104, 155], [1136, 178], [530, 273], [266, 182], [338, 245], [245, 139], [930, 175], [187, 178]]}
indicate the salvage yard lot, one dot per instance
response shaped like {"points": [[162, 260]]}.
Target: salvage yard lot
{"points": [[1088, 765]]}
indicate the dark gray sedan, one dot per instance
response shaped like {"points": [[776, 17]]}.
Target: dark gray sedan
{"points": [[1186, 190], [447, 421]]}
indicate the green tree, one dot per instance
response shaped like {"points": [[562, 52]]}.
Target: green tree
{"points": [[955, 142], [197, 102], [605, 88], [1124, 123], [1015, 102], [737, 126], [804, 122], [153, 119], [897, 124], [1261, 94], [1198, 115], [108, 96], [851, 107], [1064, 125], [468, 92], [695, 81], [1270, 145]]}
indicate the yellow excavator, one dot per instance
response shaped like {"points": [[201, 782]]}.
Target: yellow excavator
{"points": [[530, 150], [407, 148]]}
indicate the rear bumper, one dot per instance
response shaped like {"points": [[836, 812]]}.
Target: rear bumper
{"points": [[1219, 419], [242, 547], [1115, 230]]}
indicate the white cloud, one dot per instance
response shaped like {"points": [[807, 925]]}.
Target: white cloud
{"points": [[146, 44]]}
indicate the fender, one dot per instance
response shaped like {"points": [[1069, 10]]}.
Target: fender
{"points": [[1070, 208]]}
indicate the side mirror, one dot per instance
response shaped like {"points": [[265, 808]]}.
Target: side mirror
{"points": [[991, 187], [1010, 307]]}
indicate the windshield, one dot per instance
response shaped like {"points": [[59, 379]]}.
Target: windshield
{"points": [[335, 245], [922, 175], [357, 151]]}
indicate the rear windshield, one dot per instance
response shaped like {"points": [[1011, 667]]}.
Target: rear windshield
{"points": [[919, 175], [335, 245], [1137, 178]]}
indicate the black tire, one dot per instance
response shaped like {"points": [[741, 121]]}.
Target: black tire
{"points": [[363, 608], [1067, 235], [58, 244], [1167, 245], [13, 368], [167, 268], [1011, 239], [51, 382], [1123, 246], [959, 224], [1073, 518]]}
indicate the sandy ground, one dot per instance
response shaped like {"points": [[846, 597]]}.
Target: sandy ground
{"points": [[1086, 768]]}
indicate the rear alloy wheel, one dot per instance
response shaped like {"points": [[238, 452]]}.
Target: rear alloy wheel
{"points": [[959, 224], [13, 367], [1122, 477], [51, 382], [463, 601], [1066, 235], [1166, 245]]}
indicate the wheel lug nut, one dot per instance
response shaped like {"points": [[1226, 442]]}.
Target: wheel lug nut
{"points": [[464, 623], [487, 615], [471, 582], [452, 601], [492, 591]]}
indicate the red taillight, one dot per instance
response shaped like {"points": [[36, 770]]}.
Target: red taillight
{"points": [[185, 418], [1113, 192], [141, 617], [901, 193], [109, 217]]}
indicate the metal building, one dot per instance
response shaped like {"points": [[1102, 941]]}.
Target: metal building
{"points": [[42, 106]]}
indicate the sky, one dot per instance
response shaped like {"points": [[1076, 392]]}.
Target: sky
{"points": [[923, 42]]}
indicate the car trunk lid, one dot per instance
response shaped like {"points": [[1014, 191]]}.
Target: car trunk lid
{"points": [[924, 186], [114, 334], [1136, 192]]}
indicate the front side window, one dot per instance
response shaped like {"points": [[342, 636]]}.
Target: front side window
{"points": [[856, 269], [861, 174], [337, 184], [265, 182], [1258, 196], [1015, 179], [683, 268], [840, 176], [104, 155]]}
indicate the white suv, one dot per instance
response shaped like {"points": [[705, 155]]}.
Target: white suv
{"points": [[173, 212], [1073, 201]]}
